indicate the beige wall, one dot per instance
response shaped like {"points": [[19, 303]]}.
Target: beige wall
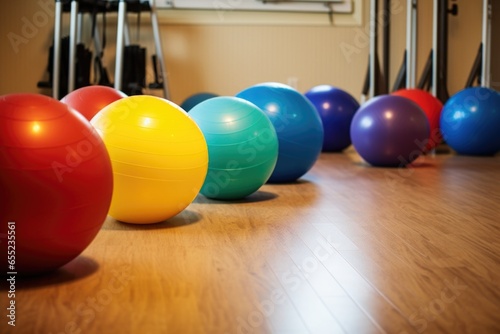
{"points": [[227, 58], [464, 38], [495, 47], [23, 63]]}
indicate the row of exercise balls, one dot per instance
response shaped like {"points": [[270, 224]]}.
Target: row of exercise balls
{"points": [[297, 124], [268, 132], [390, 131], [335, 106], [336, 109], [69, 179], [132, 128], [384, 132], [468, 123], [398, 133], [145, 163]]}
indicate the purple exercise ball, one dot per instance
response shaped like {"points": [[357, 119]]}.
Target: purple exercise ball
{"points": [[389, 131]]}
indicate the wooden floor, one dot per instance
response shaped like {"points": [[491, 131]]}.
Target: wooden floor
{"points": [[348, 249]]}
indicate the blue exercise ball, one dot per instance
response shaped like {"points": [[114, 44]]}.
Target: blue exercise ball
{"points": [[297, 124], [195, 99], [470, 121], [242, 146], [389, 131], [336, 108]]}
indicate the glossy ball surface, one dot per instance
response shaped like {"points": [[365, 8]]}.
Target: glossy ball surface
{"points": [[55, 181], [242, 146], [336, 108], [297, 124], [386, 131], [470, 121], [159, 158], [432, 108], [89, 100]]}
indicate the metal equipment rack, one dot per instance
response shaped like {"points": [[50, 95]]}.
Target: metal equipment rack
{"points": [[77, 8]]}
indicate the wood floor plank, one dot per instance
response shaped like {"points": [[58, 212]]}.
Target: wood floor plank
{"points": [[316, 249], [315, 315], [347, 249]]}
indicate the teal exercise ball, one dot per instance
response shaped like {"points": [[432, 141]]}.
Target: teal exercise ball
{"points": [[242, 146]]}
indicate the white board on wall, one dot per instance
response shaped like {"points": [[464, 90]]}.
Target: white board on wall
{"points": [[318, 6]]}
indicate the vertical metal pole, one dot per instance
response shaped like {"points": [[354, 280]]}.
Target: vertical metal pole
{"points": [[486, 39], [97, 41], [442, 51], [434, 76], [57, 49], [414, 43], [159, 50], [79, 29], [126, 32], [386, 32], [411, 43], [122, 12], [373, 47], [72, 45]]}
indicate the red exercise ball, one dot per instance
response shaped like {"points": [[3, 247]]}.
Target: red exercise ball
{"points": [[55, 182], [432, 108], [89, 100]]}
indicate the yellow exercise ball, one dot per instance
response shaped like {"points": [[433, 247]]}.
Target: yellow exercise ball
{"points": [[159, 158]]}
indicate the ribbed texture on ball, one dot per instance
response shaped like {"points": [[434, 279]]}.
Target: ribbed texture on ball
{"points": [[242, 145]]}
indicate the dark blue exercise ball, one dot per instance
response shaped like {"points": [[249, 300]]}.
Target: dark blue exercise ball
{"points": [[389, 131], [336, 108], [470, 121], [297, 124], [195, 99]]}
